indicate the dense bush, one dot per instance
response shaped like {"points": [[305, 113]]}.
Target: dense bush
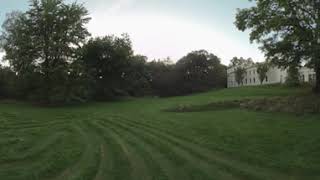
{"points": [[7, 82]]}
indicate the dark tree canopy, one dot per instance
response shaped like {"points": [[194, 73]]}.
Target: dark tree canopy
{"points": [[262, 69], [293, 78], [114, 69], [240, 73], [45, 36], [201, 70], [236, 62], [7, 81], [289, 31], [44, 41], [138, 76], [196, 72]]}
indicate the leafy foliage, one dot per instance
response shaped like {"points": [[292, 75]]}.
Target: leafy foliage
{"points": [[293, 78], [164, 78], [262, 69], [106, 60], [240, 74], [138, 77], [196, 72], [236, 62], [7, 82], [43, 42], [200, 71]]}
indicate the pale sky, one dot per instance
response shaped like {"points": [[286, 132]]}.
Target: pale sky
{"points": [[167, 28]]}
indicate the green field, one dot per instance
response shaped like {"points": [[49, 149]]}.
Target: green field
{"points": [[137, 139]]}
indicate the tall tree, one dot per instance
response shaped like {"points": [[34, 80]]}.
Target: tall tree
{"points": [[262, 69], [163, 78], [201, 70], [44, 40], [138, 77], [289, 31], [106, 59], [293, 77], [239, 75]]}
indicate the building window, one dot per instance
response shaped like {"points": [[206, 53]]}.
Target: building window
{"points": [[246, 81], [266, 78], [250, 80], [254, 80]]}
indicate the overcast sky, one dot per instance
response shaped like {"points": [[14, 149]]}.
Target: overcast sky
{"points": [[167, 28]]}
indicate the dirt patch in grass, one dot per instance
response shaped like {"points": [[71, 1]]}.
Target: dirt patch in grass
{"points": [[296, 105]]}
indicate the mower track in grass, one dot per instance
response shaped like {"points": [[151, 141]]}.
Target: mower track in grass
{"points": [[42, 146], [182, 158], [240, 169], [137, 140]]}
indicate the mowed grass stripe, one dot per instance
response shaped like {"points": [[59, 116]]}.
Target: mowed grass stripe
{"points": [[120, 141], [118, 166], [155, 172], [46, 165], [139, 170], [33, 125], [34, 152], [203, 168], [187, 164], [104, 164], [85, 167], [169, 161], [107, 156], [26, 144], [159, 161], [239, 168], [172, 163], [185, 159]]}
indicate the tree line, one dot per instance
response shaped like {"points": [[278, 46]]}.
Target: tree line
{"points": [[54, 60]]}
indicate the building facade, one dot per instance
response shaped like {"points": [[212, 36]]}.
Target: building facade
{"points": [[274, 76]]}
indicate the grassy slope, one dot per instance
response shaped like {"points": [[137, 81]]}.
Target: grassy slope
{"points": [[135, 139]]}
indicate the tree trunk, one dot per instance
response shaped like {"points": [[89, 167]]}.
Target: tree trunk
{"points": [[317, 87], [317, 48]]}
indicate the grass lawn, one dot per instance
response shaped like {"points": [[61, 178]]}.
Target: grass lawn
{"points": [[137, 139]]}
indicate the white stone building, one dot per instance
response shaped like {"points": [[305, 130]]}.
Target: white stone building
{"points": [[274, 76]]}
